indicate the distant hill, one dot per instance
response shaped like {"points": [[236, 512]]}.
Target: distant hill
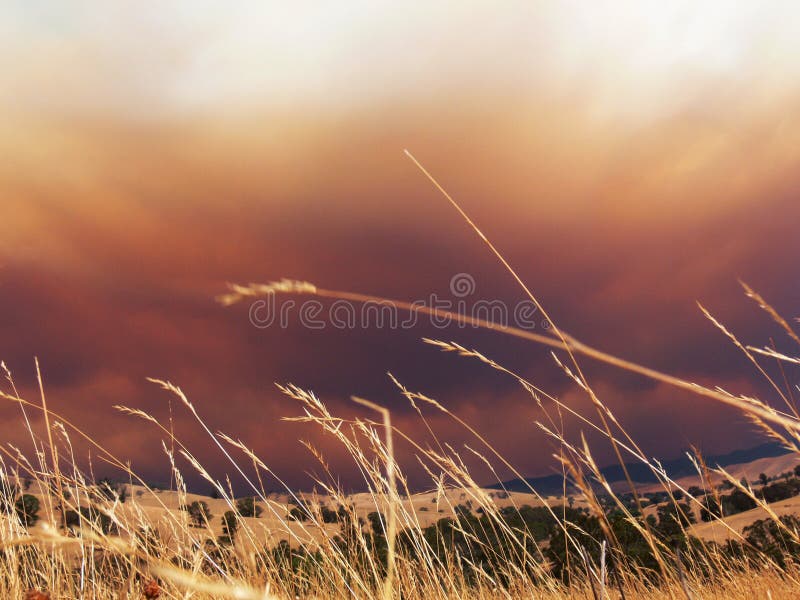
{"points": [[640, 473]]}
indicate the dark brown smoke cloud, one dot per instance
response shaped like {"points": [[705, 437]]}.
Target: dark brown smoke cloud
{"points": [[116, 239]]}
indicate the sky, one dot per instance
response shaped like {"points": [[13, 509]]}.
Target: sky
{"points": [[629, 159]]}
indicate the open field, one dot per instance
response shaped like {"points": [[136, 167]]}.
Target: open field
{"points": [[144, 541], [274, 524]]}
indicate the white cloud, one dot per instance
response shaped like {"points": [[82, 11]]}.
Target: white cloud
{"points": [[618, 57]]}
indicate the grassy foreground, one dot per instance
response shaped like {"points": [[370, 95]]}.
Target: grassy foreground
{"points": [[65, 536]]}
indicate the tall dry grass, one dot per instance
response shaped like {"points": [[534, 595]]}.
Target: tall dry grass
{"points": [[145, 548]]}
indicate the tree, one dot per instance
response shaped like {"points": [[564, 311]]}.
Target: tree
{"points": [[199, 513], [773, 539], [564, 549], [230, 525], [91, 516], [247, 507], [112, 491], [331, 516], [763, 479], [27, 507], [780, 490], [737, 501], [673, 520], [376, 522], [297, 514], [72, 519], [797, 471]]}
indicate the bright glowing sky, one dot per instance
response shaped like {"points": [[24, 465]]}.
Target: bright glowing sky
{"points": [[629, 157], [621, 57]]}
